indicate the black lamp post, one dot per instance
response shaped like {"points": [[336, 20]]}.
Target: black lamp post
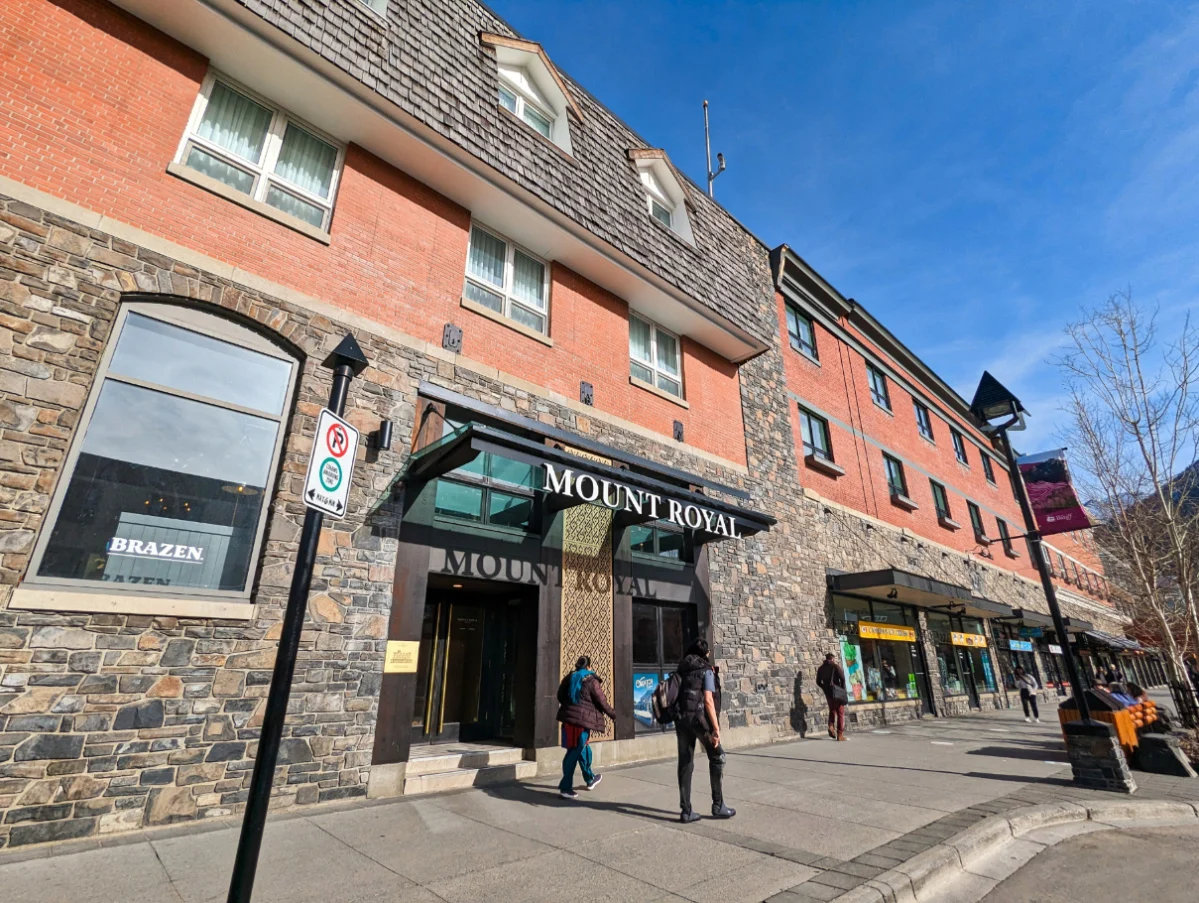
{"points": [[346, 361], [992, 402]]}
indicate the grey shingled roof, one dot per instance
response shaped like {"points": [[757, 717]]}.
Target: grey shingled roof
{"points": [[428, 60]]}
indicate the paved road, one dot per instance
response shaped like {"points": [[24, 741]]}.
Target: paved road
{"points": [[813, 816], [1117, 866]]}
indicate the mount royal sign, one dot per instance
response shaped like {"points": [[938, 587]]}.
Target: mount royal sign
{"points": [[620, 497]]}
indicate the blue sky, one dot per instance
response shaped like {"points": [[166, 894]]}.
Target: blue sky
{"points": [[972, 173]]}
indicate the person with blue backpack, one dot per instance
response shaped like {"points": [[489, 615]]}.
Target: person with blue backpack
{"points": [[581, 709]]}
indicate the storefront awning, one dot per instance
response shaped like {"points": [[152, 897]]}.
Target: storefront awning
{"points": [[1077, 625], [1111, 641], [1029, 618], [891, 585], [574, 479]]}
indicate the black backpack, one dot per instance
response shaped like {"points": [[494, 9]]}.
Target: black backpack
{"points": [[665, 700], [564, 691]]}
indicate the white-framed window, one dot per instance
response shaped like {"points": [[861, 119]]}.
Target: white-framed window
{"points": [[665, 197], [655, 356], [661, 207], [959, 447], [507, 279], [167, 486], [254, 148], [379, 6], [519, 95]]}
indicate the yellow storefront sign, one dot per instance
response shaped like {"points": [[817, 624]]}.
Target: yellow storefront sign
{"points": [[968, 639], [868, 630]]}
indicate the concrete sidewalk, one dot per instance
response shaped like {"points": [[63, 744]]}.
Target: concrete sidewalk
{"points": [[814, 818]]}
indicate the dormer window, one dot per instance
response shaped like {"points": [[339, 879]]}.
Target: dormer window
{"points": [[665, 199], [660, 207], [531, 89], [519, 95]]}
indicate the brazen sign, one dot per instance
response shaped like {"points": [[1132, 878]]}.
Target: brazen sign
{"points": [[327, 486], [619, 497]]}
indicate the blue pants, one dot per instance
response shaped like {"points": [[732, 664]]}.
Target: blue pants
{"points": [[579, 754]]}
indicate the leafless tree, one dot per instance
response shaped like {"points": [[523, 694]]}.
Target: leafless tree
{"points": [[1134, 412]]}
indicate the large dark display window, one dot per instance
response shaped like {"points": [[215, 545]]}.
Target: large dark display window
{"points": [[170, 482], [661, 634]]}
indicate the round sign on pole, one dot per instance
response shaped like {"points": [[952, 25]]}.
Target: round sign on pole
{"points": [[330, 474], [337, 440]]}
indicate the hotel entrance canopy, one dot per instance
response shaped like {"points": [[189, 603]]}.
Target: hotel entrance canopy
{"points": [[637, 496], [891, 585]]}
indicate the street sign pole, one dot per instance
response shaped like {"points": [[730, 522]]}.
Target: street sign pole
{"points": [[346, 361]]}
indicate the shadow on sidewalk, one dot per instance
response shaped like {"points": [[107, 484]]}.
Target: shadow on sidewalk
{"points": [[534, 795], [1007, 752], [985, 775]]}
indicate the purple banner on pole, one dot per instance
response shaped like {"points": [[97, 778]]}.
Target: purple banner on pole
{"points": [[1054, 502]]}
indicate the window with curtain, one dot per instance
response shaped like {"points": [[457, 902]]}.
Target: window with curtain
{"points": [[256, 149], [654, 356], [508, 280], [167, 487]]}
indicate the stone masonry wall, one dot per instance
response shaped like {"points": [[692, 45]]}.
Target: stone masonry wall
{"points": [[112, 722]]}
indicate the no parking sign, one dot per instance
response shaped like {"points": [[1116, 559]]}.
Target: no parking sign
{"points": [[327, 486]]}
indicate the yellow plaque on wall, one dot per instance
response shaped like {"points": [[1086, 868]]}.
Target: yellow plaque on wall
{"points": [[401, 656]]}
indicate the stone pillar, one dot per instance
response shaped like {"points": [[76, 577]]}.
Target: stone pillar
{"points": [[1096, 757]]}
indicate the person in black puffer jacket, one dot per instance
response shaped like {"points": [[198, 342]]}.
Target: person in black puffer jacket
{"points": [[581, 709], [698, 718]]}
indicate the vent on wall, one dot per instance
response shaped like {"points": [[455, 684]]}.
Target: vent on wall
{"points": [[451, 338], [586, 393], [678, 431]]}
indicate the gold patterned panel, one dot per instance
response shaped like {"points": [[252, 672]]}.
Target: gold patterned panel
{"points": [[587, 592]]}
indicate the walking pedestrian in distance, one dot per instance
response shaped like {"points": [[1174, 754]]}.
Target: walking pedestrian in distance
{"points": [[698, 718], [831, 679], [581, 709], [1028, 686]]}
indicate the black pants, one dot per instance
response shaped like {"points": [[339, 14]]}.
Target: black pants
{"points": [[1029, 698], [687, 735]]}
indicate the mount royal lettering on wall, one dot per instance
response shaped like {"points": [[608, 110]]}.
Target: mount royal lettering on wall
{"points": [[619, 497]]}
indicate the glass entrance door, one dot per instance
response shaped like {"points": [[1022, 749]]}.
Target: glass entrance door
{"points": [[465, 671]]}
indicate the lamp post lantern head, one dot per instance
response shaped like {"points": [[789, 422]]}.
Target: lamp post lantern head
{"points": [[347, 354], [993, 400]]}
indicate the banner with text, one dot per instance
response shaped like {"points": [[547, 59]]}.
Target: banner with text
{"points": [[1054, 502]]}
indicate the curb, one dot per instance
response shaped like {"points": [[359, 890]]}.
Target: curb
{"points": [[925, 872]]}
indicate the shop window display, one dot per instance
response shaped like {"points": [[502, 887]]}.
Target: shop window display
{"points": [[878, 650]]}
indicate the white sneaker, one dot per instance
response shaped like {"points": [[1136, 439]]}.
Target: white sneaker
{"points": [[594, 783], [568, 794], [1037, 720], [1027, 720]]}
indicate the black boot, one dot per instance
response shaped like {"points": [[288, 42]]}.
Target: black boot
{"points": [[688, 817], [723, 811]]}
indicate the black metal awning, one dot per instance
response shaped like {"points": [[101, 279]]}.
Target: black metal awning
{"points": [[892, 585], [1026, 617], [472, 439], [1111, 641], [1077, 625]]}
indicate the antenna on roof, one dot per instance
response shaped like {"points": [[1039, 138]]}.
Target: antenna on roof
{"points": [[719, 157]]}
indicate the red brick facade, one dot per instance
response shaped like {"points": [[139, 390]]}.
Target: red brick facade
{"points": [[836, 387], [75, 75]]}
